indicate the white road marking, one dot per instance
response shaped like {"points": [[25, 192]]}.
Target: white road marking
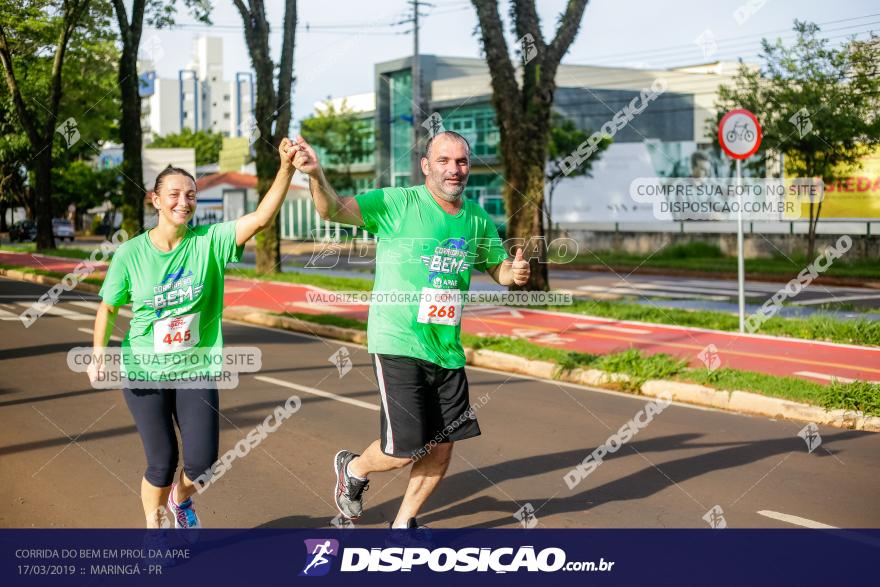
{"points": [[90, 331], [834, 299], [63, 312], [587, 326], [695, 289], [827, 377], [755, 286], [648, 292], [492, 311], [318, 392], [5, 315], [322, 308], [796, 520]]}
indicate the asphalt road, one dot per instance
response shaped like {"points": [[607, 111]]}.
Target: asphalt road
{"points": [[70, 456]]}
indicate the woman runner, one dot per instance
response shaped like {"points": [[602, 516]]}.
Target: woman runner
{"points": [[172, 275]]}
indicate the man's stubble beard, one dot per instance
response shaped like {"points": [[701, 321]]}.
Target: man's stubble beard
{"points": [[451, 198]]}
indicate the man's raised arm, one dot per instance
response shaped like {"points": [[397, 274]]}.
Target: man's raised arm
{"points": [[329, 204]]}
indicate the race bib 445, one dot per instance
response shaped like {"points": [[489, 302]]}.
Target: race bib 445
{"points": [[175, 333]]}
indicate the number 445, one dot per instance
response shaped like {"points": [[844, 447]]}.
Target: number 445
{"points": [[178, 337]]}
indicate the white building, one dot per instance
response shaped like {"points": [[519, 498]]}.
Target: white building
{"points": [[199, 98]]}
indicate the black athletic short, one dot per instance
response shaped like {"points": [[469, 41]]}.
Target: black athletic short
{"points": [[423, 404]]}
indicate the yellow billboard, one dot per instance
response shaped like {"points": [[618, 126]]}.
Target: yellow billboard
{"points": [[856, 196]]}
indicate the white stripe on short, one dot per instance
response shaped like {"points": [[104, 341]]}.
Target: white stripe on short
{"points": [[389, 438]]}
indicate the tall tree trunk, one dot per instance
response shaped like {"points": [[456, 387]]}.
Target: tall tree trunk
{"points": [[43, 207], [813, 225], [130, 131], [524, 204], [41, 134], [523, 105], [268, 240], [272, 110]]}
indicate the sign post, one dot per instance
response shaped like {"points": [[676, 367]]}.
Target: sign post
{"points": [[739, 134]]}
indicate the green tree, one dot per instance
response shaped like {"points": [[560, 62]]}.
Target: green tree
{"points": [[817, 105], [14, 149], [158, 13], [80, 183], [28, 32], [523, 102], [273, 108], [89, 98], [565, 138], [206, 143], [343, 138]]}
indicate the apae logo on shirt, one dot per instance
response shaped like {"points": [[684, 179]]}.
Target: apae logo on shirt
{"points": [[448, 260]]}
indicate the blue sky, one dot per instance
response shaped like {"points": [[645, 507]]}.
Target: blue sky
{"points": [[335, 56]]}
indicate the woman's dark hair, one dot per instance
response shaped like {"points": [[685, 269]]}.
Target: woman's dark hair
{"points": [[170, 170]]}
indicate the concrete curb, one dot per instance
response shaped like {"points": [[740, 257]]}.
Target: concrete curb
{"points": [[746, 402], [735, 401]]}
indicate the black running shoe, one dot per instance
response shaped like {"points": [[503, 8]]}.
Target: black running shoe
{"points": [[413, 524], [348, 490], [413, 536]]}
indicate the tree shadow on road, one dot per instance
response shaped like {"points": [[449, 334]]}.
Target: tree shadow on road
{"points": [[644, 483]]}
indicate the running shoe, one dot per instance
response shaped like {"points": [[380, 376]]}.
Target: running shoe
{"points": [[184, 514], [154, 547], [413, 536], [413, 524], [348, 490]]}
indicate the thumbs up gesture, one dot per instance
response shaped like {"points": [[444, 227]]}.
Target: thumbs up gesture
{"points": [[520, 268]]}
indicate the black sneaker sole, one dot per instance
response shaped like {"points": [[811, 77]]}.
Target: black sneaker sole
{"points": [[336, 486]]}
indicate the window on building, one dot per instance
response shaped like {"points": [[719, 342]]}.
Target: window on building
{"points": [[477, 124], [226, 116], [400, 89], [226, 97]]}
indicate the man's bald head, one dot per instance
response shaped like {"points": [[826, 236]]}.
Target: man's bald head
{"points": [[447, 135]]}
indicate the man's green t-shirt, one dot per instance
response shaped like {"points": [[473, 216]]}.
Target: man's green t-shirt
{"points": [[176, 299], [424, 253]]}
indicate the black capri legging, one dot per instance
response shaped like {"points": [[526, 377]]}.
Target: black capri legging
{"points": [[197, 414]]}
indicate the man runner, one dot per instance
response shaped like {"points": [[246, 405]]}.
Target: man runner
{"points": [[430, 238]]}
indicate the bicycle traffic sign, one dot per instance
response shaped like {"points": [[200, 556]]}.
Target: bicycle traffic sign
{"points": [[739, 133]]}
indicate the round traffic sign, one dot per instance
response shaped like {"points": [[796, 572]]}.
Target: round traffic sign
{"points": [[739, 133]]}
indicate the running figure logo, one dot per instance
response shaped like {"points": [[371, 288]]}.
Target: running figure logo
{"points": [[810, 434], [526, 516], [319, 554]]}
